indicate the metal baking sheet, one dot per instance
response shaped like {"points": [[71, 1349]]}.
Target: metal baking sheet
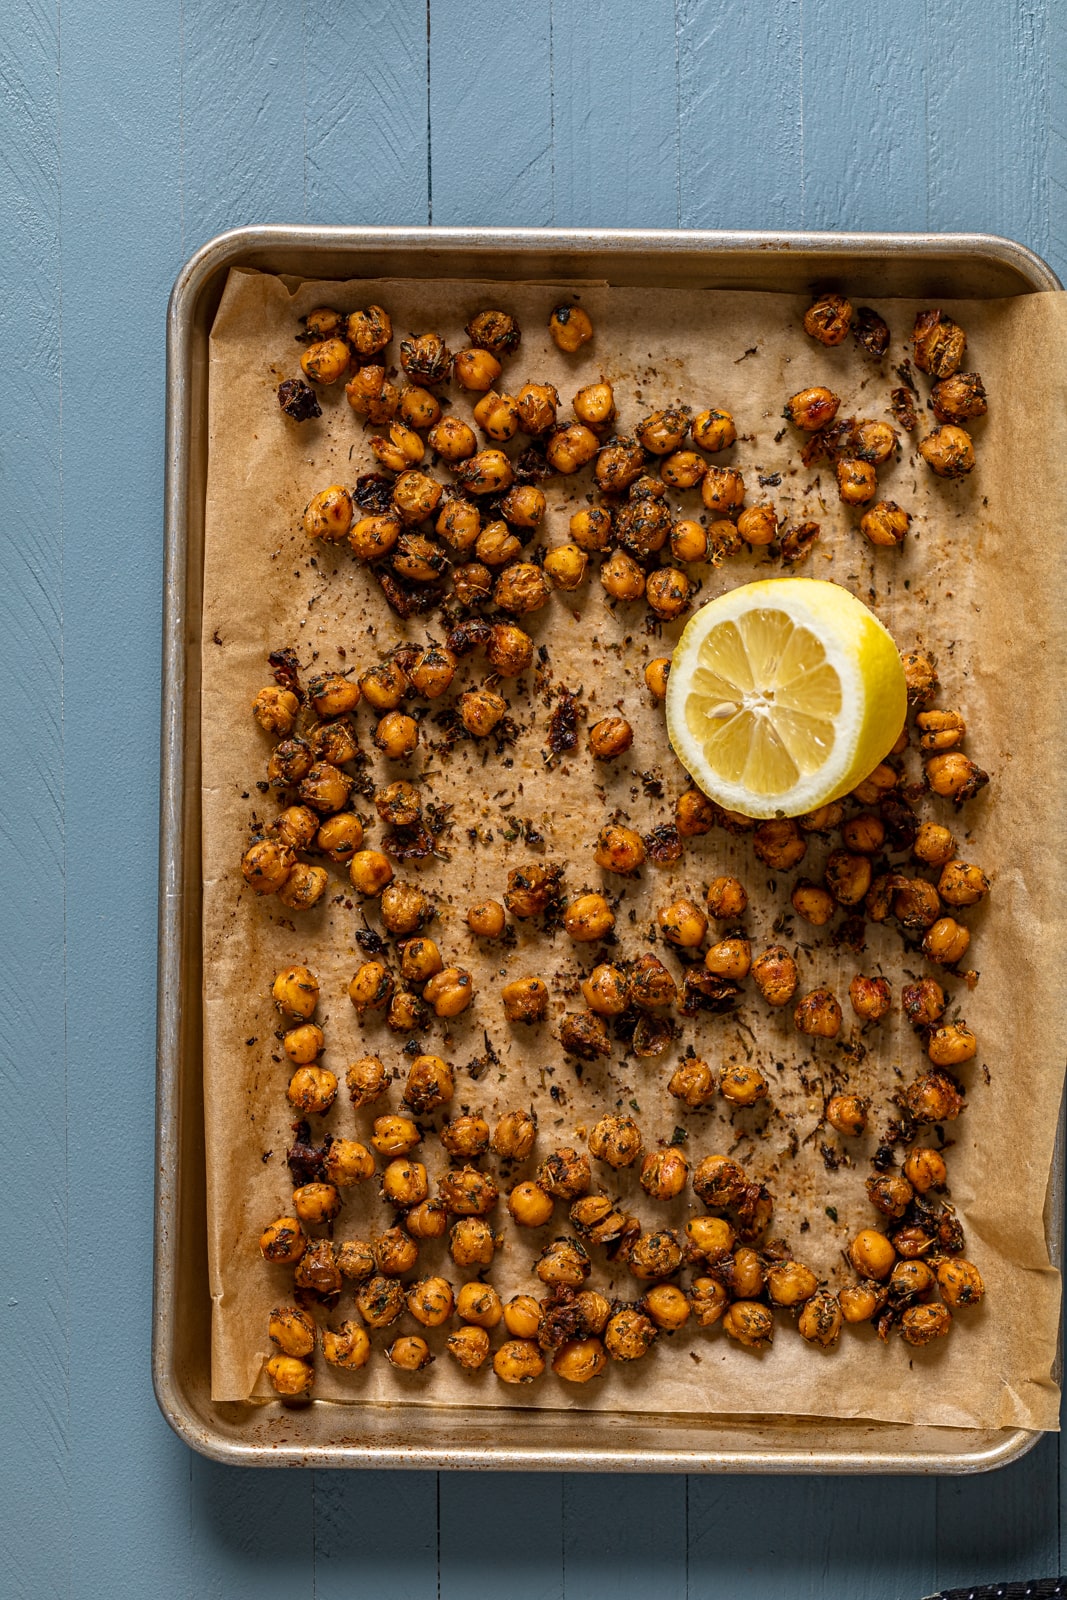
{"points": [[325, 1435]]}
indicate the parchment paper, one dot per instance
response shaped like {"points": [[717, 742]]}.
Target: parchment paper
{"points": [[979, 581]]}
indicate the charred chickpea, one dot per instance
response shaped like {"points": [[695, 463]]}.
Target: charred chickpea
{"points": [[304, 887], [615, 1140], [591, 528], [682, 923], [370, 871], [890, 1193], [959, 398], [407, 1013], [570, 327], [920, 676], [779, 844], [925, 1169], [726, 899], [495, 331], [758, 525], [619, 850], [566, 566], [915, 902], [282, 1242], [664, 1174], [317, 1270], [398, 804], [775, 974], [532, 889], [587, 918], [870, 997], [811, 409], [583, 1034], [693, 1083], [508, 650], [498, 416], [396, 736], [713, 430], [934, 1097], [450, 991], [948, 451], [295, 992], [304, 1044], [426, 358], [372, 396], [695, 814], [939, 344], [326, 362], [961, 884], [816, 905], [828, 319], [667, 592], [367, 1081], [621, 577], [370, 987], [951, 1044], [418, 407], [920, 1325], [276, 710], [565, 1174], [821, 1319], [847, 1114], [525, 1000], [847, 876], [954, 776], [742, 1083], [429, 1084], [960, 1283], [946, 941], [722, 490], [468, 1347], [292, 1330], [529, 1205], [651, 984], [872, 1254], [522, 589], [857, 481], [369, 331], [619, 464], [481, 710], [719, 1182], [730, 958], [885, 524], [684, 469]]}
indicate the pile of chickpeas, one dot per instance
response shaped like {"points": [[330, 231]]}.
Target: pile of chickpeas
{"points": [[882, 860]]}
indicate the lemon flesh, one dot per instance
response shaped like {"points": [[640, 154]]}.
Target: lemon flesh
{"points": [[784, 695]]}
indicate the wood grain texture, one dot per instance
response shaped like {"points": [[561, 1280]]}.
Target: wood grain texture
{"points": [[131, 134], [34, 1310]]}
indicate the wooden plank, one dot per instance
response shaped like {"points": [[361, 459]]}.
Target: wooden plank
{"points": [[34, 1312], [249, 1533], [501, 1534], [381, 1526], [490, 135], [624, 1536], [989, 117], [1001, 1525], [615, 115], [864, 116], [811, 1538], [1056, 200], [741, 125], [366, 112]]}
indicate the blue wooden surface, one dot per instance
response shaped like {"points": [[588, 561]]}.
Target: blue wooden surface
{"points": [[131, 133]]}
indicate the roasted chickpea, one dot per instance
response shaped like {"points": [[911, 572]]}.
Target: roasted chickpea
{"points": [[325, 788], [563, 1262], [667, 592], [380, 1300], [524, 506], [619, 850], [292, 1330], [570, 449], [948, 451], [664, 1174], [779, 844], [518, 1361], [692, 1082], [870, 997], [498, 416], [419, 960], [312, 1090], [821, 1320], [860, 1302], [409, 1353], [775, 975], [323, 323], [939, 344], [940, 730], [396, 736], [532, 889], [959, 398], [824, 819], [348, 1162], [730, 958], [383, 686], [960, 1283], [758, 525], [566, 564], [449, 992], [872, 1254], [564, 1174], [619, 464], [466, 1192], [431, 1301], [495, 331], [954, 776], [629, 1334], [290, 1377], [508, 649], [828, 319], [538, 404], [394, 1135], [857, 481], [621, 577], [920, 1325], [946, 941], [694, 815], [472, 1243], [369, 331], [726, 899], [655, 1255], [328, 516], [370, 987], [429, 1084], [749, 1323], [372, 396], [890, 1193], [418, 407], [689, 542], [885, 524], [367, 1081], [951, 1044], [496, 545], [525, 1000], [813, 408], [719, 1182], [276, 710], [355, 1259], [488, 472], [282, 1242], [479, 1303], [708, 1300], [925, 1169], [296, 994], [713, 430], [432, 672], [710, 1238], [876, 785], [651, 985], [326, 361], [682, 923], [469, 1347], [847, 1114], [317, 1270], [402, 449], [848, 876], [961, 884], [514, 1135], [615, 1140], [742, 1083], [481, 710], [475, 370], [790, 1283], [529, 1205], [487, 919], [722, 490], [588, 918], [407, 1013], [591, 528], [459, 525], [594, 406], [267, 865], [684, 469], [395, 1252], [583, 1034], [570, 327], [405, 908], [605, 991], [426, 358], [663, 431], [522, 589], [814, 904], [427, 1220], [818, 1014], [522, 1316], [316, 1203], [934, 1097]]}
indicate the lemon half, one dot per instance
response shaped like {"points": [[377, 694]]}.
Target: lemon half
{"points": [[783, 695]]}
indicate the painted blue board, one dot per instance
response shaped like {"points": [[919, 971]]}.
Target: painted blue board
{"points": [[131, 134]]}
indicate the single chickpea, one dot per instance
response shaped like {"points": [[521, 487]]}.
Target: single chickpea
{"points": [[722, 490], [282, 1242], [890, 1193], [594, 406], [619, 850], [354, 1259], [402, 449], [828, 319], [304, 1044], [872, 1254], [693, 1083], [522, 589], [860, 1302], [324, 323], [708, 1300], [266, 866], [498, 416], [876, 785], [588, 918], [775, 975], [432, 672], [570, 449], [409, 1353], [961, 884], [655, 1255], [629, 1334], [730, 958], [682, 923], [951, 1044], [864, 835], [583, 1034], [570, 327], [420, 959], [719, 1182], [488, 472], [379, 1301], [615, 1140], [656, 674], [405, 1183], [750, 1324], [395, 1252], [497, 545], [847, 876], [758, 525], [619, 464], [395, 1136], [959, 398], [663, 431], [529, 1205], [874, 441], [591, 528], [847, 1114], [370, 987], [481, 711], [713, 430], [459, 525], [296, 992], [468, 1347], [312, 1090], [779, 844], [466, 1192], [450, 991], [476, 370], [683, 469], [479, 1304], [939, 344], [870, 997], [667, 592], [290, 1377], [367, 1081], [383, 686], [427, 1220], [821, 1319], [348, 1162], [276, 710], [580, 1360], [724, 541], [418, 407], [328, 515], [667, 1306], [508, 649], [369, 331], [407, 1013], [946, 941], [525, 1000], [605, 991], [426, 358], [857, 481], [326, 362], [824, 819], [960, 1283], [726, 899], [565, 1174], [651, 985], [743, 1084], [472, 1243], [922, 1324], [487, 919], [566, 566], [790, 1283], [522, 1316], [495, 331], [563, 1262], [524, 506], [818, 1014], [431, 1301], [405, 908], [940, 730], [925, 1169], [292, 1330], [814, 904], [885, 524], [813, 408], [429, 1084], [621, 577], [514, 1135], [933, 1098], [372, 396], [664, 1174], [948, 451], [538, 404], [518, 1361]]}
